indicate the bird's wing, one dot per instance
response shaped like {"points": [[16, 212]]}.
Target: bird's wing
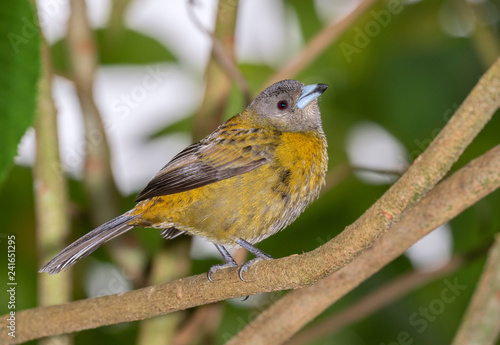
{"points": [[209, 161]]}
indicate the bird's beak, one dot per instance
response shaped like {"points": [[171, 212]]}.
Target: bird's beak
{"points": [[310, 93]]}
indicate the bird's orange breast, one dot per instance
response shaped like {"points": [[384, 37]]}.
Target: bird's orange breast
{"points": [[251, 206]]}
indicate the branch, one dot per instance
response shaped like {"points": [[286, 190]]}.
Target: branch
{"points": [[318, 44], [171, 262], [383, 296], [98, 176], [223, 53], [481, 323], [83, 57], [220, 69], [50, 190], [464, 188]]}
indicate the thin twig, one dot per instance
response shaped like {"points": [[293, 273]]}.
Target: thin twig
{"points": [[83, 57], [288, 315], [218, 82], [98, 175], [380, 171], [481, 323], [383, 296], [225, 59], [343, 171], [221, 67], [318, 44]]}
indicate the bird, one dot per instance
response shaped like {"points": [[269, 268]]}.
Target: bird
{"points": [[247, 180]]}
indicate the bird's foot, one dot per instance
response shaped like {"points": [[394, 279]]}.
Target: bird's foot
{"points": [[229, 262], [217, 267], [247, 265], [259, 256]]}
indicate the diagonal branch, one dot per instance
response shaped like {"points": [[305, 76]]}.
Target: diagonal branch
{"points": [[481, 323], [220, 69], [318, 44], [223, 52], [382, 296], [464, 188]]}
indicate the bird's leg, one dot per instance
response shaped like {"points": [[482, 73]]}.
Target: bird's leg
{"points": [[259, 255], [228, 261]]}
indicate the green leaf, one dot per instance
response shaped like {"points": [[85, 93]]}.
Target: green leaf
{"points": [[125, 47], [20, 61]]}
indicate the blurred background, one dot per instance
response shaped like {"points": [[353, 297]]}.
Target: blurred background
{"points": [[396, 74]]}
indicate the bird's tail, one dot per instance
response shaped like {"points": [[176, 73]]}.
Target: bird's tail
{"points": [[88, 243]]}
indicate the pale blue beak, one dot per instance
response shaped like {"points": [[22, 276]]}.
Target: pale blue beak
{"points": [[310, 93]]}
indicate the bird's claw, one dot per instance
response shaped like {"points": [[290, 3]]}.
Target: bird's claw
{"points": [[217, 267], [247, 265]]}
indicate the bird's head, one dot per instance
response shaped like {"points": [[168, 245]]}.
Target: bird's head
{"points": [[288, 106]]}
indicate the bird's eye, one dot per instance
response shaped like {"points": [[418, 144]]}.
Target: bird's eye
{"points": [[282, 105]]}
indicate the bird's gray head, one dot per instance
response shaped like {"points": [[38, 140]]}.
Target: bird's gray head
{"points": [[288, 106]]}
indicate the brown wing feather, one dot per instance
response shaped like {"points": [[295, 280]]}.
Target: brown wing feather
{"points": [[203, 163]]}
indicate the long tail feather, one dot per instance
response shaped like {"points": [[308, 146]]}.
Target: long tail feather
{"points": [[88, 243]]}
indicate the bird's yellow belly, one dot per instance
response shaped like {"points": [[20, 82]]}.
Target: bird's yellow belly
{"points": [[251, 206]]}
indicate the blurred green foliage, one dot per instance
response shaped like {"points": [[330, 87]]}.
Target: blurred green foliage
{"points": [[409, 79], [20, 66], [116, 47]]}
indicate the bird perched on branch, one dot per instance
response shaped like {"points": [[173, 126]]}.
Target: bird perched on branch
{"points": [[250, 178]]}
